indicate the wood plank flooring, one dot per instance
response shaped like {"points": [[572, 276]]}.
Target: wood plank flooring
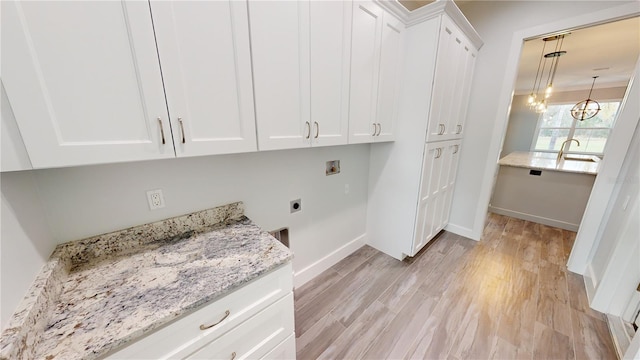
{"points": [[508, 296]]}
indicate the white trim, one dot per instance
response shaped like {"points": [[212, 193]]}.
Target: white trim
{"points": [[534, 218], [633, 352], [460, 230], [590, 283], [619, 335], [506, 95], [303, 276]]}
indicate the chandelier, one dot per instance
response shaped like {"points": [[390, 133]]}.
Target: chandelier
{"points": [[548, 63], [586, 109]]}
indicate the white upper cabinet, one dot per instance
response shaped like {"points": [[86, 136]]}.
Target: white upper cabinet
{"points": [[84, 82], [452, 83], [330, 49], [206, 66], [365, 66], [280, 50], [376, 53], [388, 85]]}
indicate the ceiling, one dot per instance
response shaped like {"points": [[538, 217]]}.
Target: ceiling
{"points": [[609, 51]]}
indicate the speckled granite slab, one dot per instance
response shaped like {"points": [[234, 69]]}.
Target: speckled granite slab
{"points": [[97, 294]]}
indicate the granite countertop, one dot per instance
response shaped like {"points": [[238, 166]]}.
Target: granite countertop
{"points": [[547, 161], [97, 294]]}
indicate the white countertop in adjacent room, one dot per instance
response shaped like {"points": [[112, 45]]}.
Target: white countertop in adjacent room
{"points": [[547, 161]]}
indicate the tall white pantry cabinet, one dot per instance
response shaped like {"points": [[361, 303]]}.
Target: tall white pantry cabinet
{"points": [[412, 180]]}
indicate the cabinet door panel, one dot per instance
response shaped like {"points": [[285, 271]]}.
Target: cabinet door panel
{"points": [[330, 50], [84, 96], [280, 50], [206, 63], [456, 79], [470, 65], [365, 65], [390, 60], [453, 155], [437, 113], [427, 218]]}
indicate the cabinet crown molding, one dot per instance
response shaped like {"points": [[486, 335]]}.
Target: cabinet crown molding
{"points": [[436, 8]]}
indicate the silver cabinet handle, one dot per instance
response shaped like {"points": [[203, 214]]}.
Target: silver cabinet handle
{"points": [[457, 148], [379, 129], [375, 129], [442, 129], [161, 130], [233, 355], [438, 152], [308, 129], [317, 129], [459, 129], [181, 129], [205, 327]]}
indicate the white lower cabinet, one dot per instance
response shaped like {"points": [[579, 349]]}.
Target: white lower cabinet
{"points": [[285, 350], [252, 322], [436, 189]]}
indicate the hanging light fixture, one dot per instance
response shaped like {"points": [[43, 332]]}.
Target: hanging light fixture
{"points": [[586, 109], [537, 101]]}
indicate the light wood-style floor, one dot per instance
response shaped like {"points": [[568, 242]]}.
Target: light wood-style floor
{"points": [[508, 296]]}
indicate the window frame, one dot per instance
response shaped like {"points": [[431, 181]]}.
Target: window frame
{"points": [[572, 131]]}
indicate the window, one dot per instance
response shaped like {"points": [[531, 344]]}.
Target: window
{"points": [[557, 125]]}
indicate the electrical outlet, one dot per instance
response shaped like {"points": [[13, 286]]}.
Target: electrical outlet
{"points": [[155, 198]]}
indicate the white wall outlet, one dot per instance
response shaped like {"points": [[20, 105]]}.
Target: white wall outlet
{"points": [[155, 198]]}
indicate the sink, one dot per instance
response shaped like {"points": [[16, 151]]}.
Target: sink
{"points": [[587, 158]]}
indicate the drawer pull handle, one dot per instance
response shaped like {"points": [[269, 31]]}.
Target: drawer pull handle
{"points": [[379, 129], [233, 355], [181, 129], [161, 130], [317, 129], [308, 125], [205, 327], [375, 129]]}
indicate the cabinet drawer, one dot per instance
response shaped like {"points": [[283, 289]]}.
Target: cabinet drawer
{"points": [[254, 338], [286, 350], [184, 333]]}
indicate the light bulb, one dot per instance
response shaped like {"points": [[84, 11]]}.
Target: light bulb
{"points": [[531, 99], [547, 92]]}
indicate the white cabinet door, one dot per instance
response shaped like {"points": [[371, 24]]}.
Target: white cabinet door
{"points": [[84, 81], [460, 116], [452, 150], [280, 51], [428, 216], [365, 65], [330, 49], [437, 126], [206, 66], [388, 85], [452, 83]]}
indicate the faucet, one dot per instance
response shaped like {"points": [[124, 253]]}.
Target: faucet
{"points": [[562, 148]]}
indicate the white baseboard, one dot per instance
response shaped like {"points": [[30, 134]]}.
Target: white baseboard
{"points": [[462, 231], [535, 218], [590, 283], [315, 269]]}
